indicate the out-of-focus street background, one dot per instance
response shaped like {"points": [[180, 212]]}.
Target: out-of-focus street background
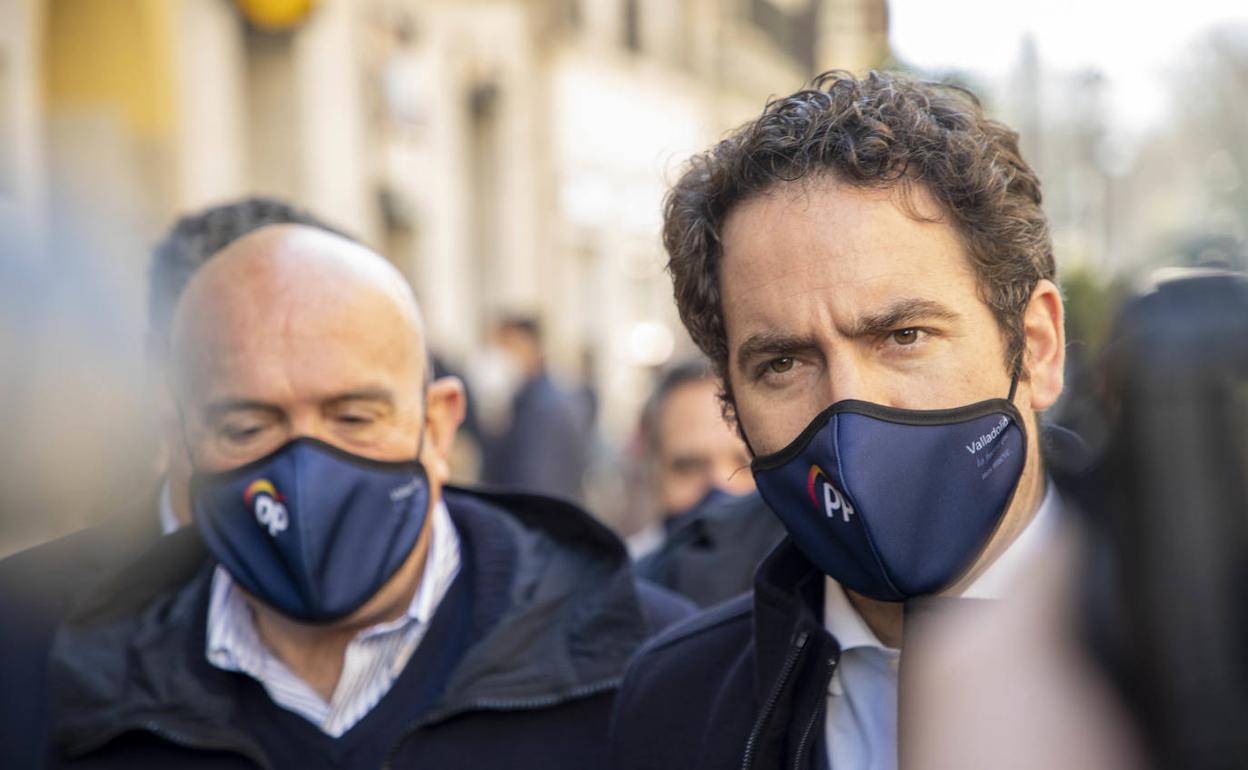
{"points": [[511, 156]]}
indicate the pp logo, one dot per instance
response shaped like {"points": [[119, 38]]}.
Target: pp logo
{"points": [[267, 506], [833, 502]]}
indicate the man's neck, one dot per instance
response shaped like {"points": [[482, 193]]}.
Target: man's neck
{"points": [[315, 653], [885, 618]]}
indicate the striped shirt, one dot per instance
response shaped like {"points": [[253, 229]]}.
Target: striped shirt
{"points": [[373, 659]]}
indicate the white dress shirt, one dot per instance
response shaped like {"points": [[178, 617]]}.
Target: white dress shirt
{"points": [[373, 660], [861, 725]]}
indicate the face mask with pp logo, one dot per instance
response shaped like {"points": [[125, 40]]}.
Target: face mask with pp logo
{"points": [[311, 530], [897, 503]]}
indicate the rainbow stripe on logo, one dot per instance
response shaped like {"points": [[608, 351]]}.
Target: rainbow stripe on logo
{"points": [[815, 472], [260, 486]]}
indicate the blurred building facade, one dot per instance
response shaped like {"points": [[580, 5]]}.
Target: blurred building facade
{"points": [[507, 155], [1123, 198]]}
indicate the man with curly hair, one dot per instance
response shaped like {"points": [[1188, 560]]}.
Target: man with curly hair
{"points": [[869, 269]]}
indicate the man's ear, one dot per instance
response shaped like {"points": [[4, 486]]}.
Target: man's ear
{"points": [[1044, 336], [445, 408]]}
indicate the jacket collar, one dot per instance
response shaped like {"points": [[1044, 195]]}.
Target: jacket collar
{"points": [[788, 597], [557, 612]]}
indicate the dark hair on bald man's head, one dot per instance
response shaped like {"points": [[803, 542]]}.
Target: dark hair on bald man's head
{"points": [[196, 237]]}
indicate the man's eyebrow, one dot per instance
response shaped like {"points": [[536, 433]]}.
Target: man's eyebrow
{"points": [[772, 344], [217, 409], [899, 314], [221, 407], [362, 394]]}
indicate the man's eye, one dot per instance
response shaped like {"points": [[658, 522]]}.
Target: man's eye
{"points": [[780, 365], [905, 336], [354, 419], [242, 434]]}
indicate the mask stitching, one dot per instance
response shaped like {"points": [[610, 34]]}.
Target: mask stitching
{"points": [[862, 524], [885, 414]]}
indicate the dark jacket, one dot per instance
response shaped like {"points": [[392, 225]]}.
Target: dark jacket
{"points": [[37, 588], [711, 557], [557, 609], [743, 685]]}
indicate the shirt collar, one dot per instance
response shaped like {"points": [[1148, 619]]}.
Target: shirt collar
{"points": [[843, 621], [998, 580]]}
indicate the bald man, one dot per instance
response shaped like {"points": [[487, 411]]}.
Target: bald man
{"points": [[39, 584], [336, 604]]}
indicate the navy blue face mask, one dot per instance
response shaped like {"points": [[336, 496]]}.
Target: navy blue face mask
{"points": [[311, 530], [897, 503]]}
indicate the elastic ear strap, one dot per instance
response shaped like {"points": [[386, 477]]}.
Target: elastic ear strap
{"points": [[1014, 383]]}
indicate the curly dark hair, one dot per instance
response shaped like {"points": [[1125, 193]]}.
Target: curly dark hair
{"points": [[195, 238], [879, 131]]}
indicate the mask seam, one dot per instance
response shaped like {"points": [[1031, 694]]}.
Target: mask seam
{"points": [[884, 414], [1022, 429], [840, 472]]}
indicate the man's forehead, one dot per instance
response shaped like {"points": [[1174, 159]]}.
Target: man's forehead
{"points": [[793, 254], [282, 289], [303, 360], [282, 269], [308, 361]]}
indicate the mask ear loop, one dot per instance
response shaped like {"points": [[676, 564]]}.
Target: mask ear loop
{"points": [[1014, 383]]}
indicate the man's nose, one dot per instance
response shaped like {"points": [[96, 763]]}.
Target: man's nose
{"points": [[843, 379], [309, 426]]}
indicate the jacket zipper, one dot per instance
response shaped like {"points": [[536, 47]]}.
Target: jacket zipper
{"points": [[498, 704], [804, 741], [790, 662]]}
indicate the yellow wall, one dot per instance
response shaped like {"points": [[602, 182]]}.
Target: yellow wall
{"points": [[112, 54]]}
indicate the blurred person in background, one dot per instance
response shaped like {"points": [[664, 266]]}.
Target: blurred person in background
{"points": [[335, 605], [536, 435], [1127, 647], [711, 530], [868, 267], [38, 585]]}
